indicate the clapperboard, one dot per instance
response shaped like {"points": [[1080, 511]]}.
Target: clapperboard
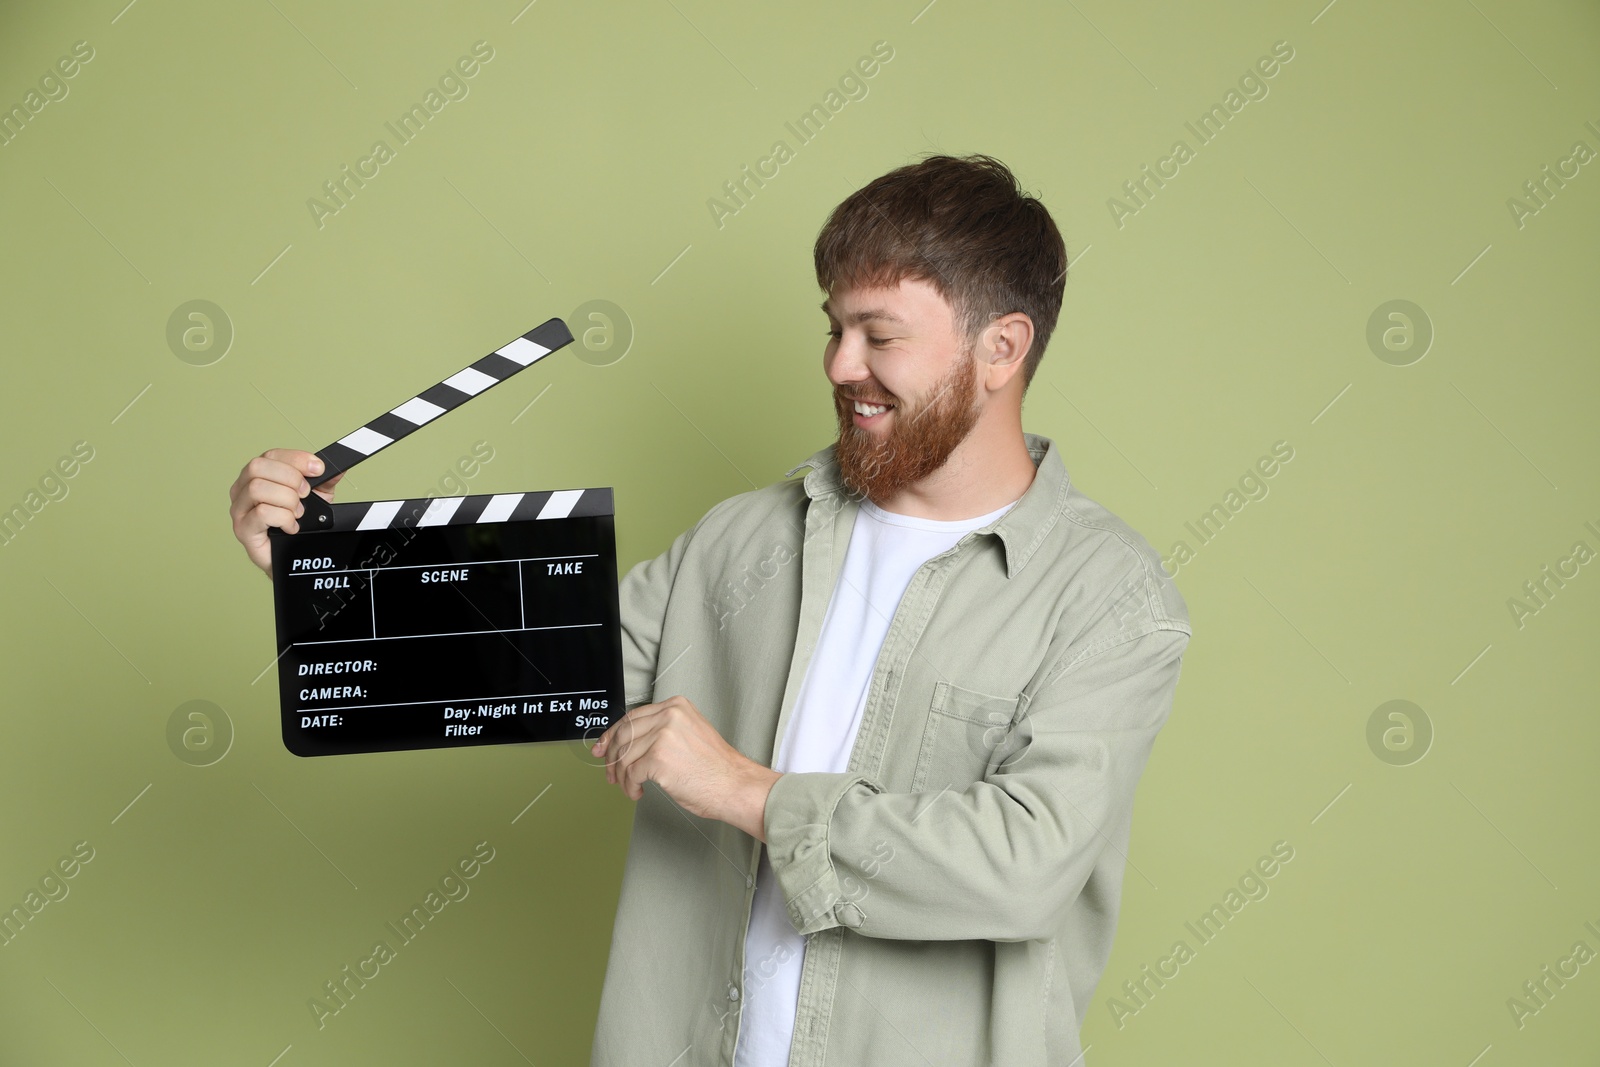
{"points": [[447, 621]]}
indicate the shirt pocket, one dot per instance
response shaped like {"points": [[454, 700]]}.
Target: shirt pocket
{"points": [[959, 742]]}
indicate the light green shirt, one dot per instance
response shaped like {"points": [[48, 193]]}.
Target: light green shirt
{"points": [[959, 885]]}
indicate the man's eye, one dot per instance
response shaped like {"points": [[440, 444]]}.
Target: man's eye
{"points": [[872, 340]]}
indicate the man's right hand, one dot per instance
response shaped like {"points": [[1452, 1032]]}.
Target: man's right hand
{"points": [[268, 492]]}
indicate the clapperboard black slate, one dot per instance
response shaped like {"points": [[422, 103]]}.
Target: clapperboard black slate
{"points": [[447, 621]]}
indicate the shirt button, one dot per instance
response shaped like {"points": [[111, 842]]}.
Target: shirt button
{"points": [[733, 992], [849, 915]]}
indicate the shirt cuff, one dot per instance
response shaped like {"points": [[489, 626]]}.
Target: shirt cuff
{"points": [[796, 820]]}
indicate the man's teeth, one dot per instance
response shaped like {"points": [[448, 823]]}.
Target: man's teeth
{"points": [[870, 409]]}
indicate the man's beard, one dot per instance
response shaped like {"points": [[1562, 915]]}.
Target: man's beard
{"points": [[919, 441]]}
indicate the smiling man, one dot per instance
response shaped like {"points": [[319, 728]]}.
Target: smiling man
{"points": [[891, 795], [886, 720]]}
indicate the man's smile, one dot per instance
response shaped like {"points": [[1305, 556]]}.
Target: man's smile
{"points": [[867, 413], [870, 414]]}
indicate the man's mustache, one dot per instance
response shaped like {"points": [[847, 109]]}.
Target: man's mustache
{"points": [[850, 398]]}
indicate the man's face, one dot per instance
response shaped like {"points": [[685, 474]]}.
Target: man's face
{"points": [[904, 385]]}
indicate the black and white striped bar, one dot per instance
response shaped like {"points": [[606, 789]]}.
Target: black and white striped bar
{"points": [[465, 510], [449, 394]]}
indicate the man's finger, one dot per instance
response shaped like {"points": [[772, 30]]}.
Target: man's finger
{"points": [[637, 715], [275, 471], [265, 515], [619, 747], [614, 740], [628, 771], [304, 462], [600, 743], [634, 745], [263, 491]]}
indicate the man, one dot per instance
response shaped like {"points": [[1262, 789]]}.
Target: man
{"points": [[886, 721]]}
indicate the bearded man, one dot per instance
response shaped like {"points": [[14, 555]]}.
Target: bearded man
{"points": [[886, 720]]}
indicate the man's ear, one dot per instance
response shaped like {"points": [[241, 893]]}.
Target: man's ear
{"points": [[1004, 346]]}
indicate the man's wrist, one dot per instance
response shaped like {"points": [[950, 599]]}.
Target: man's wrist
{"points": [[748, 802]]}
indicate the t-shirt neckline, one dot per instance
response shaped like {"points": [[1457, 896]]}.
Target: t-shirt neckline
{"points": [[915, 522]]}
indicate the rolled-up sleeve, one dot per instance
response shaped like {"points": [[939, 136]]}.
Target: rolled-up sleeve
{"points": [[1002, 859]]}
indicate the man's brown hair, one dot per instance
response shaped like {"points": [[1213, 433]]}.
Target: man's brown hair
{"points": [[964, 225]]}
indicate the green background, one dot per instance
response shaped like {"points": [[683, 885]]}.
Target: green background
{"points": [[1228, 313]]}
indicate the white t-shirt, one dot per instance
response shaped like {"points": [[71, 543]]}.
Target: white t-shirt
{"points": [[885, 550]]}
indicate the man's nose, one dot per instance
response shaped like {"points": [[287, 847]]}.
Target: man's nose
{"points": [[846, 366]]}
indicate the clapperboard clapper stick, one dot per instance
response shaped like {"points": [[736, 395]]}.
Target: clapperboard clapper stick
{"points": [[423, 408], [443, 622]]}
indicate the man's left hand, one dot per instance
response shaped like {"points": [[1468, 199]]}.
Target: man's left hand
{"points": [[672, 745]]}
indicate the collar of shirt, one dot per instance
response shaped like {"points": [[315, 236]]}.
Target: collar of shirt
{"points": [[1022, 529]]}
